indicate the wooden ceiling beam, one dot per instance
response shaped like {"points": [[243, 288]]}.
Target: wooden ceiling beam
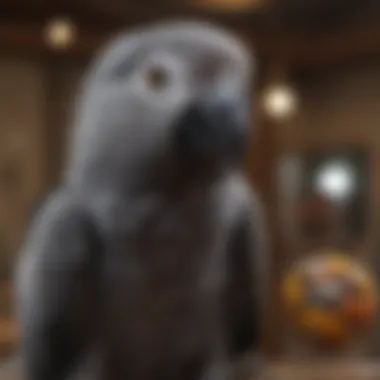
{"points": [[29, 38], [312, 50], [319, 49]]}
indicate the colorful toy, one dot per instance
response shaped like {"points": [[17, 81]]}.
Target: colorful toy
{"points": [[330, 298]]}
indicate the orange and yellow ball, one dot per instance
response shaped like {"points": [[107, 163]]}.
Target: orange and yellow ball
{"points": [[330, 298]]}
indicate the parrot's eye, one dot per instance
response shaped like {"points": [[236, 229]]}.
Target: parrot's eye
{"points": [[156, 78]]}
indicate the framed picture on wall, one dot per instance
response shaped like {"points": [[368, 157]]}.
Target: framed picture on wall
{"points": [[326, 192]]}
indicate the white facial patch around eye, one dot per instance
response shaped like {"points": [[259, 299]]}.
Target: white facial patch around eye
{"points": [[161, 79]]}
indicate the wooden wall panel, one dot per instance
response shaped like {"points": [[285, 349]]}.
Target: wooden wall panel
{"points": [[22, 110]]}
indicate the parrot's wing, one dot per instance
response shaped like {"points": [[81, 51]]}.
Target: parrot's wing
{"points": [[247, 276], [56, 285]]}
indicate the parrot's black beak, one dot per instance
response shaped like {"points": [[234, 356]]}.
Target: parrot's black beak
{"points": [[213, 127]]}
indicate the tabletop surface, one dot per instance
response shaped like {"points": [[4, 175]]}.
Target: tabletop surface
{"points": [[342, 370], [322, 370]]}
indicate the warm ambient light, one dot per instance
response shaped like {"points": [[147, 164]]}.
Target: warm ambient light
{"points": [[60, 33], [228, 5], [280, 101]]}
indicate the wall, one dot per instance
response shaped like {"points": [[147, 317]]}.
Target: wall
{"points": [[36, 96], [35, 102], [21, 146]]}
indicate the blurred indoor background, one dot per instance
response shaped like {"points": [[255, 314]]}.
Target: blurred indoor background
{"points": [[315, 151]]}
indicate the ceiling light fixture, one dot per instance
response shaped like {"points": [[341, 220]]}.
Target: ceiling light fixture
{"points": [[280, 101], [60, 33]]}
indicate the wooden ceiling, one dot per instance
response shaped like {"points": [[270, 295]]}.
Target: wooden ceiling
{"points": [[294, 32]]}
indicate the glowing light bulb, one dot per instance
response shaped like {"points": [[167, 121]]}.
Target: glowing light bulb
{"points": [[335, 181], [280, 101], [60, 33]]}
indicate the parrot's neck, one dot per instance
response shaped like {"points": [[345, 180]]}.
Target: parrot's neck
{"points": [[135, 206]]}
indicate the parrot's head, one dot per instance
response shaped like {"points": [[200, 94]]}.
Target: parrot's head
{"points": [[163, 100]]}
